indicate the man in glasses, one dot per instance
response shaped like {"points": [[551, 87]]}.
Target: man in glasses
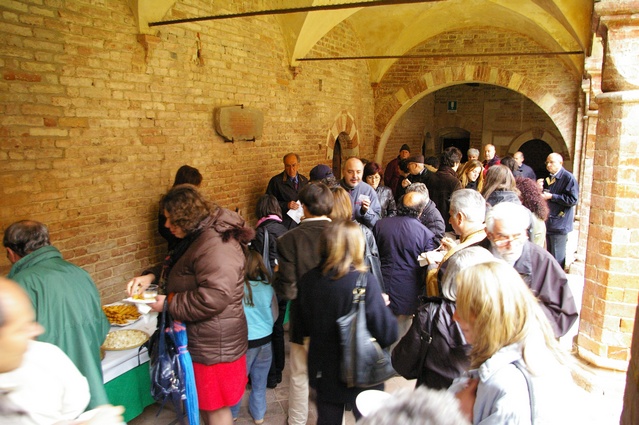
{"points": [[506, 225]]}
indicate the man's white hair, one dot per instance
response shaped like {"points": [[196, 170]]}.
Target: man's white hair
{"points": [[423, 406], [470, 203], [512, 216]]}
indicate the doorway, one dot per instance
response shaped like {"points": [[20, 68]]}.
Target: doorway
{"points": [[463, 144], [535, 153], [337, 160]]}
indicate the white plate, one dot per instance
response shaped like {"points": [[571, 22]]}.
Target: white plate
{"points": [[134, 301], [370, 400], [126, 323]]}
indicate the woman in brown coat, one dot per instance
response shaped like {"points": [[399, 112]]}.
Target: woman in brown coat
{"points": [[204, 279]]}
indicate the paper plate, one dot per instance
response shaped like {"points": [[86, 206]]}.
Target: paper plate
{"points": [[370, 400], [136, 301], [124, 339]]}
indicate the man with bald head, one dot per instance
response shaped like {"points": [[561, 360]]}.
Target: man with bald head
{"points": [[524, 170], [64, 297], [490, 158], [561, 191], [286, 187], [366, 207], [400, 240]]}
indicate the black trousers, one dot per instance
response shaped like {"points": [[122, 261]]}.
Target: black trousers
{"points": [[277, 340], [332, 413]]}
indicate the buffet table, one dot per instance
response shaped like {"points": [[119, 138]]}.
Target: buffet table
{"points": [[126, 375]]}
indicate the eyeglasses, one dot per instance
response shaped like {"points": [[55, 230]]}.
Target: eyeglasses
{"points": [[503, 240], [374, 177]]}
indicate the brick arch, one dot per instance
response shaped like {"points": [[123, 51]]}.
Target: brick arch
{"points": [[394, 106], [343, 123], [540, 134]]}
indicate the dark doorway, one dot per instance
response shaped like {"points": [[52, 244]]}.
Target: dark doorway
{"points": [[463, 144], [535, 153], [337, 160]]}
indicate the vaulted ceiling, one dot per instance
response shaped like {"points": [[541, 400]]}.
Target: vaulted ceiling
{"points": [[390, 29]]}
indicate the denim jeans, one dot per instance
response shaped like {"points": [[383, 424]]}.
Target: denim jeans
{"points": [[258, 363]]}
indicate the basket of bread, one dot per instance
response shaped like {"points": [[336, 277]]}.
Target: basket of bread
{"points": [[124, 339]]}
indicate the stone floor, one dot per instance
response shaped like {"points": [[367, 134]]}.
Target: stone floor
{"points": [[277, 406]]}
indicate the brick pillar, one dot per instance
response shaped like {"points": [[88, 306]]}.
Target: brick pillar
{"points": [[591, 88], [585, 181], [611, 286], [630, 413]]}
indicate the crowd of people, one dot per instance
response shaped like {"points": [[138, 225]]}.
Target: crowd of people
{"points": [[494, 240]]}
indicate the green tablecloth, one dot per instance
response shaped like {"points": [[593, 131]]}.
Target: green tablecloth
{"points": [[131, 390]]}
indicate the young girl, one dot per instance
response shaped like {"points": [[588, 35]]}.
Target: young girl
{"points": [[258, 308]]}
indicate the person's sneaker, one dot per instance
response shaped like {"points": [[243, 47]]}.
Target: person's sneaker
{"points": [[258, 421]]}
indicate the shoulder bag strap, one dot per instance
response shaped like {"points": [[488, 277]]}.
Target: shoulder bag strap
{"points": [[522, 368]]}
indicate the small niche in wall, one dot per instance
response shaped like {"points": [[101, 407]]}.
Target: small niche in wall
{"points": [[238, 123]]}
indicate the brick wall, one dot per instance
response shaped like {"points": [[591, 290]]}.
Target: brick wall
{"points": [[550, 82], [93, 127]]}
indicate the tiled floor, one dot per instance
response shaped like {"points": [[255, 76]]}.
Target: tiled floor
{"points": [[277, 405]]}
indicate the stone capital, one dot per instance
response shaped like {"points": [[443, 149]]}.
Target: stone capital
{"points": [[618, 26]]}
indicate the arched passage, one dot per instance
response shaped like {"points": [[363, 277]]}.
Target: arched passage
{"points": [[344, 123], [391, 108]]}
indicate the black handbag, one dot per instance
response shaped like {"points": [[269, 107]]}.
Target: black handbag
{"points": [[363, 362], [167, 375], [433, 350], [266, 248]]}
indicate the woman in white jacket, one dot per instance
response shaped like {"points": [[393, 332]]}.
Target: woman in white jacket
{"points": [[517, 374]]}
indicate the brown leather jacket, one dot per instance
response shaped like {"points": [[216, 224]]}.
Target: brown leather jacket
{"points": [[208, 282]]}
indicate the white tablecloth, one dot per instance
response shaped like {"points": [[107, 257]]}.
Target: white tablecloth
{"points": [[116, 363]]}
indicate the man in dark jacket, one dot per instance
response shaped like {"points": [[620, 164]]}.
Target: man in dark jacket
{"points": [[430, 216], [524, 170], [444, 182], [506, 225], [298, 252], [400, 240], [392, 176], [286, 187], [562, 193]]}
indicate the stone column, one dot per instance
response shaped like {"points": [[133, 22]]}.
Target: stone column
{"points": [[592, 88], [630, 413], [612, 259]]}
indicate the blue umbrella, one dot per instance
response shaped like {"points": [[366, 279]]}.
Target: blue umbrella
{"points": [[181, 341]]}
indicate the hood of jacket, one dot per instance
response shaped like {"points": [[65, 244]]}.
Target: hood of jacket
{"points": [[230, 224]]}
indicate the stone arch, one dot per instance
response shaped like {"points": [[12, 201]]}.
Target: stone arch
{"points": [[395, 105], [541, 134], [458, 131], [343, 123]]}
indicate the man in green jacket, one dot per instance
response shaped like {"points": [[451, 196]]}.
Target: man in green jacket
{"points": [[65, 298]]}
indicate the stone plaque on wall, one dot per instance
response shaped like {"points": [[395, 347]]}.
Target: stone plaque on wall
{"points": [[238, 123]]}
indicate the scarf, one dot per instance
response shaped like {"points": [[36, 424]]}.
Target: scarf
{"points": [[268, 217]]}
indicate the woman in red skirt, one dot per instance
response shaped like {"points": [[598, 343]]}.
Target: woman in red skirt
{"points": [[204, 279]]}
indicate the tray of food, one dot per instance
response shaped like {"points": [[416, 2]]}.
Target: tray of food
{"points": [[124, 339], [120, 314]]}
